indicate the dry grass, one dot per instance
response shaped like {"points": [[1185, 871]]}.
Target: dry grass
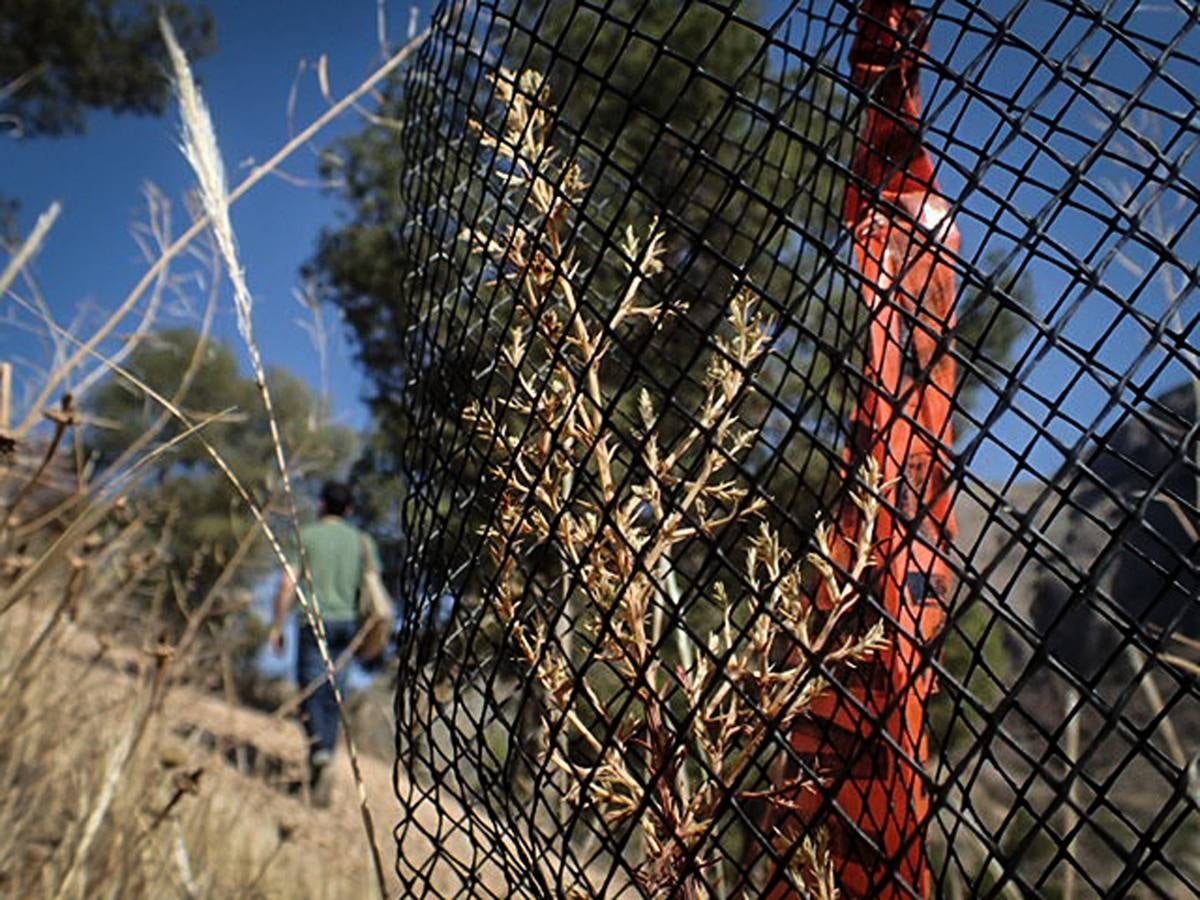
{"points": [[102, 793], [110, 788]]}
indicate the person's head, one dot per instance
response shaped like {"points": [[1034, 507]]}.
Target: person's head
{"points": [[336, 499]]}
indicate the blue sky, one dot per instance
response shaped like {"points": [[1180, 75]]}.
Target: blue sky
{"points": [[91, 261], [1031, 151]]}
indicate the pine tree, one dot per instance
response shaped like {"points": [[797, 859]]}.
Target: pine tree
{"points": [[60, 59]]}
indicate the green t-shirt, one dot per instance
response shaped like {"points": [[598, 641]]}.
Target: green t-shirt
{"points": [[334, 550]]}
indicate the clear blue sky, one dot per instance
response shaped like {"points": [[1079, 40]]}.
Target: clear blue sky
{"points": [[1033, 155], [91, 260]]}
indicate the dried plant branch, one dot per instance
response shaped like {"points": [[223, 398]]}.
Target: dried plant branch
{"points": [[158, 227], [612, 530], [19, 260], [63, 419], [103, 498], [118, 762]]}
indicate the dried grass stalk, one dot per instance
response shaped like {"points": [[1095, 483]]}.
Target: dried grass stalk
{"points": [[202, 153]]}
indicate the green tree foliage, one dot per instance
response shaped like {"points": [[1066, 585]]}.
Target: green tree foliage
{"points": [[661, 120], [61, 58], [662, 137], [190, 502], [660, 125]]}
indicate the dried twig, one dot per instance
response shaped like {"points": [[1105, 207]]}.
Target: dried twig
{"points": [[612, 528]]}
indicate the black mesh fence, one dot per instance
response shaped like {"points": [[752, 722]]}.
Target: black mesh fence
{"points": [[800, 414]]}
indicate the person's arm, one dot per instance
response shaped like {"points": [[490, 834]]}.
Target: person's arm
{"points": [[283, 605], [375, 553]]}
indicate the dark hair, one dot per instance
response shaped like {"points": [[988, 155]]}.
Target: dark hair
{"points": [[336, 498]]}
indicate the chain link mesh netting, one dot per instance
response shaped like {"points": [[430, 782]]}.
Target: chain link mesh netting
{"points": [[800, 415]]}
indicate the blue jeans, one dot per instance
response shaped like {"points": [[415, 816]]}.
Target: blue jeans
{"points": [[320, 712]]}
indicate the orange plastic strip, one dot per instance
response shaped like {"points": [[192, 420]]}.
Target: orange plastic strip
{"points": [[869, 741]]}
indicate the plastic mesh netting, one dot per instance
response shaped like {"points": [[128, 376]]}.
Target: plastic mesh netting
{"points": [[799, 420]]}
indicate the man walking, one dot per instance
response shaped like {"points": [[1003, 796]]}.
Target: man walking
{"points": [[336, 554]]}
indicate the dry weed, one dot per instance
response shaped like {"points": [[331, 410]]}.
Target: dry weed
{"points": [[590, 517]]}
